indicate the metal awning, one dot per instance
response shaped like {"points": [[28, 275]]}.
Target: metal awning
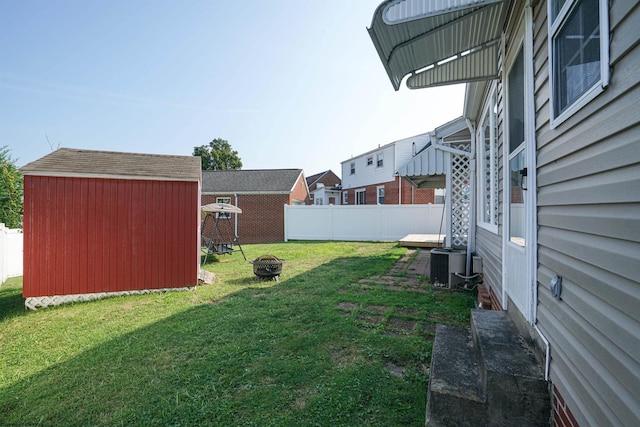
{"points": [[438, 42], [427, 169]]}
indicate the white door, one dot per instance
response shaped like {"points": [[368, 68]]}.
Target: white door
{"points": [[518, 155]]}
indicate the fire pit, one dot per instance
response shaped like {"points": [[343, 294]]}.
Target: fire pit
{"points": [[267, 267]]}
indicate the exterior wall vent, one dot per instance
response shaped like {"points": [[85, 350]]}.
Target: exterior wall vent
{"points": [[477, 264]]}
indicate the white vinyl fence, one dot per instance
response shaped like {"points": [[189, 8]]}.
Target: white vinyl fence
{"points": [[11, 244], [361, 222]]}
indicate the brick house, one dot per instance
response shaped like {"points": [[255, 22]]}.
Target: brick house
{"points": [[261, 194], [372, 178], [324, 188]]}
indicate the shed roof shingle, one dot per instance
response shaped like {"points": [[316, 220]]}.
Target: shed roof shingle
{"points": [[92, 163], [250, 181]]}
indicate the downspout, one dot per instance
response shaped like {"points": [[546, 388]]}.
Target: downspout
{"points": [[547, 345], [471, 244]]}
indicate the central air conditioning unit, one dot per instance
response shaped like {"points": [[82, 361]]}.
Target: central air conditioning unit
{"points": [[445, 263]]}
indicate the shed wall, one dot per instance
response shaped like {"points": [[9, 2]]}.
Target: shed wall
{"points": [[87, 235], [589, 232]]}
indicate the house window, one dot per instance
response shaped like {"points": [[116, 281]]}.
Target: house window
{"points": [[488, 166], [579, 54], [381, 195], [226, 200], [345, 198], [361, 197], [352, 166], [517, 153], [439, 196], [318, 201], [379, 160], [369, 160]]}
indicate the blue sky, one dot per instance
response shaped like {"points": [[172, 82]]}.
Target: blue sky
{"points": [[289, 83]]}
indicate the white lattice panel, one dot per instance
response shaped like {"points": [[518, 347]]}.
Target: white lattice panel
{"points": [[460, 198], [34, 303]]}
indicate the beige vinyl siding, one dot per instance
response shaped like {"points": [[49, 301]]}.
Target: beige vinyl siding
{"points": [[488, 243], [489, 247], [588, 179]]}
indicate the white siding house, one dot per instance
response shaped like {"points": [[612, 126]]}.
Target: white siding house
{"points": [[551, 104], [380, 165], [372, 177]]}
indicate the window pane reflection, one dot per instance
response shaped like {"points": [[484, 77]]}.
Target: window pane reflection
{"points": [[517, 179]]}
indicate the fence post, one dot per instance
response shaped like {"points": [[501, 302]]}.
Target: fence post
{"points": [[286, 227], [332, 214]]}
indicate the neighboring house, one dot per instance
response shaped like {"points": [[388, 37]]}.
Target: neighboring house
{"points": [[325, 188], [371, 178], [261, 194], [551, 103], [99, 223]]}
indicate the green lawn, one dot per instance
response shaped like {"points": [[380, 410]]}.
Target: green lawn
{"points": [[321, 347]]}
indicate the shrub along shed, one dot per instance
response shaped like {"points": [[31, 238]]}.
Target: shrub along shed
{"points": [[100, 223]]}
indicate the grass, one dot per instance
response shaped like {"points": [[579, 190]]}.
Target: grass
{"points": [[329, 344]]}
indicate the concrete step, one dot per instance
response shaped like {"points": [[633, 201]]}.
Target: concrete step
{"points": [[486, 375], [513, 380], [455, 395]]}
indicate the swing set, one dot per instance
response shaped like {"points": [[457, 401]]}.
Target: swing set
{"points": [[215, 238]]}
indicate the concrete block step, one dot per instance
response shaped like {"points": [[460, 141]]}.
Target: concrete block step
{"points": [[455, 395], [511, 376]]}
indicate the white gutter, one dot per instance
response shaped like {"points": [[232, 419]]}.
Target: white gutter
{"points": [[471, 246], [547, 363]]}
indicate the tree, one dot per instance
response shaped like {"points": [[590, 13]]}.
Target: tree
{"points": [[218, 155], [11, 191]]}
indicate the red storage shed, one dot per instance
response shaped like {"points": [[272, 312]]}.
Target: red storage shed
{"points": [[100, 223]]}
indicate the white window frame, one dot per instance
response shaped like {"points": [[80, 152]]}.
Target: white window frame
{"points": [[369, 160], [362, 191], [226, 200], [380, 189], [490, 114], [379, 160], [345, 197], [352, 168], [439, 192], [556, 24]]}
